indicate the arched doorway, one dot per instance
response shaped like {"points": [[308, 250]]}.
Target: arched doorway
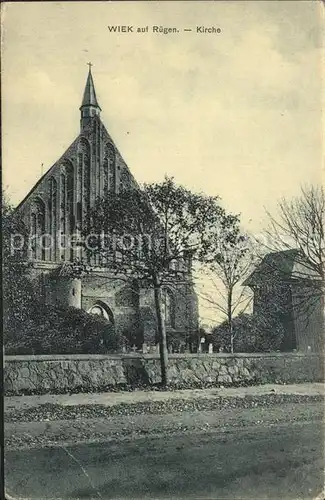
{"points": [[102, 309], [105, 327]]}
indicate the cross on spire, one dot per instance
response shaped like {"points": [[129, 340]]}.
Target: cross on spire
{"points": [[89, 106]]}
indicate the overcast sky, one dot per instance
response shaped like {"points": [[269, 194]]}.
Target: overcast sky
{"points": [[235, 114]]}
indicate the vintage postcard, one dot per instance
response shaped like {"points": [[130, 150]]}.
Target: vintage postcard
{"points": [[163, 250]]}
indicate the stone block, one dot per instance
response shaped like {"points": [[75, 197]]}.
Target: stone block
{"points": [[233, 370], [224, 379], [245, 373], [223, 370], [24, 372], [215, 365]]}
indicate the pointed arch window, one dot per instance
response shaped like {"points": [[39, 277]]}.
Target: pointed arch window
{"points": [[84, 181], [109, 170], [33, 231], [67, 222], [106, 176], [112, 167], [63, 204], [124, 181], [79, 188], [37, 223], [53, 216], [69, 172]]}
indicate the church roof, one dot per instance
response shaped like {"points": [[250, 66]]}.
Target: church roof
{"points": [[89, 98], [274, 266]]}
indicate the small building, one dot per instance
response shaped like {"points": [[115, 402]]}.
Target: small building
{"points": [[285, 284]]}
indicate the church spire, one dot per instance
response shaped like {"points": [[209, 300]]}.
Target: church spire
{"points": [[89, 106]]}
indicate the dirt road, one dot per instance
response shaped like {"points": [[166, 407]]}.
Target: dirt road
{"points": [[261, 449]]}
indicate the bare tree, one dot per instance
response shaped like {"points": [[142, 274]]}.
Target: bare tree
{"points": [[228, 269], [297, 232], [300, 225]]}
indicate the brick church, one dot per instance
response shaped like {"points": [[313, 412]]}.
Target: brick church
{"points": [[58, 205]]}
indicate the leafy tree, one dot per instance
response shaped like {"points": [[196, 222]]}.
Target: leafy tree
{"points": [[18, 292], [154, 235]]}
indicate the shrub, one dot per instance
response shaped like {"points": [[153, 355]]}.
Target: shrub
{"points": [[253, 333], [53, 330]]}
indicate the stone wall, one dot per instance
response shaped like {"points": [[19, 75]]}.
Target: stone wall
{"points": [[75, 373]]}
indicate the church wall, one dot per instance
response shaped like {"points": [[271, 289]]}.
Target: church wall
{"points": [[120, 298], [185, 311], [67, 292]]}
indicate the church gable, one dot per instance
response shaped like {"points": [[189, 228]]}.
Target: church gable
{"points": [[91, 168], [125, 178], [41, 188]]}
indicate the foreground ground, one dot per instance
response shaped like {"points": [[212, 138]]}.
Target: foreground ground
{"points": [[237, 445]]}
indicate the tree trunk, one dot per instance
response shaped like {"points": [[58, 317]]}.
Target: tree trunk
{"points": [[231, 341], [161, 335], [229, 314]]}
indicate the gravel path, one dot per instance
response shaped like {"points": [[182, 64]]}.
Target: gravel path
{"points": [[50, 411], [136, 396]]}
